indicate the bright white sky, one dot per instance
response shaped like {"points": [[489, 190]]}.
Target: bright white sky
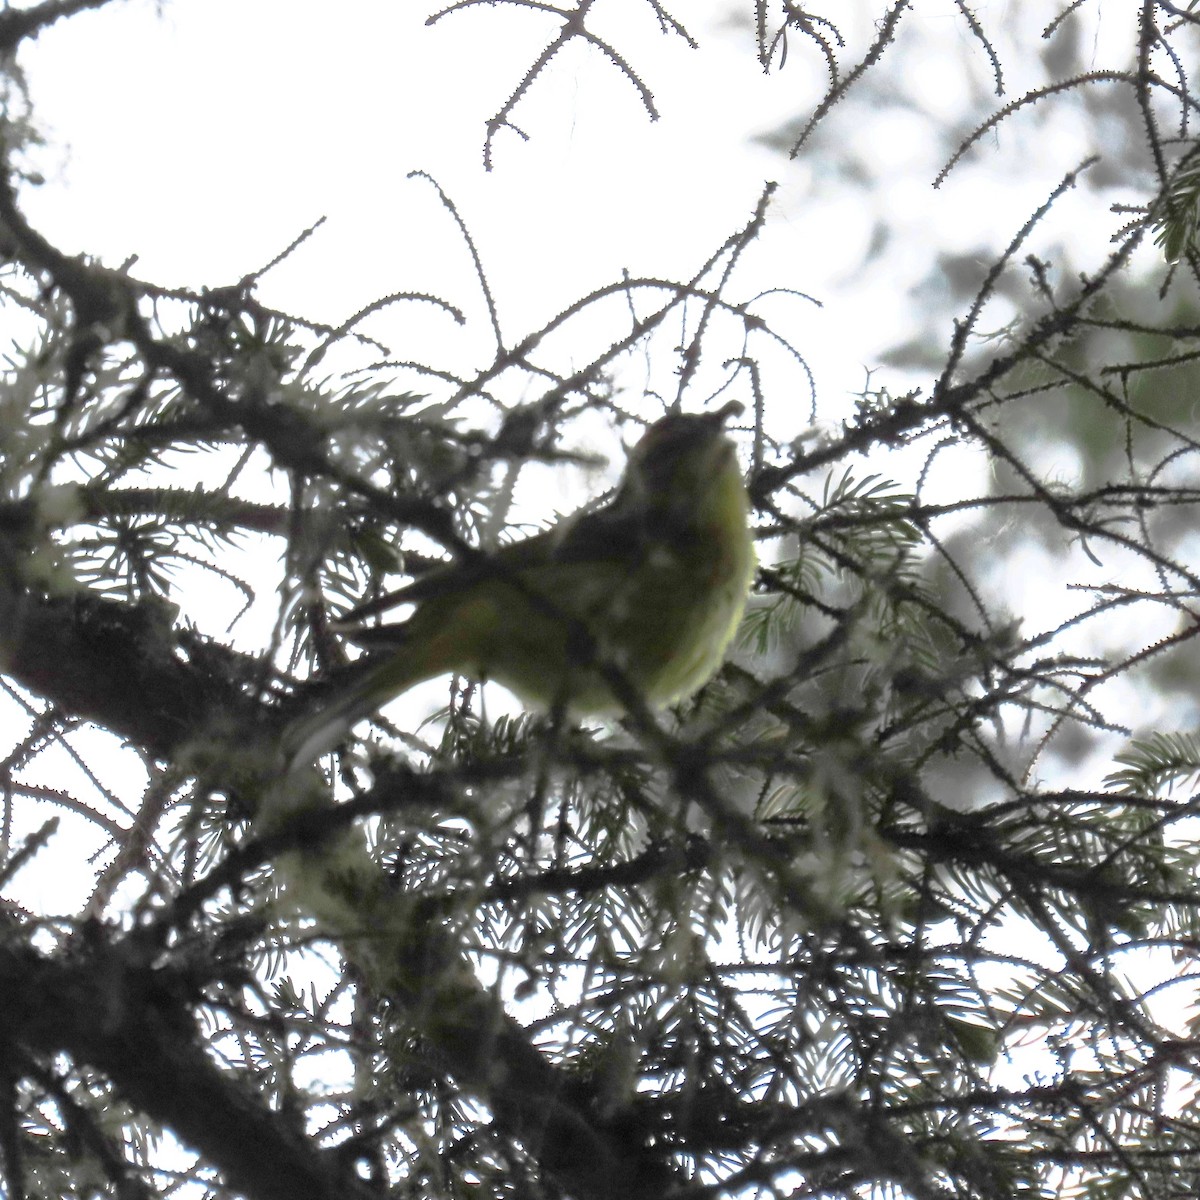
{"points": [[205, 138]]}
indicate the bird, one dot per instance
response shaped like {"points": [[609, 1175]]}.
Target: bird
{"points": [[629, 604]]}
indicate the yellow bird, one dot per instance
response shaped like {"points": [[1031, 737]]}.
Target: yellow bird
{"points": [[638, 598]]}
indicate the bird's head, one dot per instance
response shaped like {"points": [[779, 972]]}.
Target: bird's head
{"points": [[680, 457]]}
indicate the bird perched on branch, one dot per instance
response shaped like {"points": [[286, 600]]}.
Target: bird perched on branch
{"points": [[630, 604]]}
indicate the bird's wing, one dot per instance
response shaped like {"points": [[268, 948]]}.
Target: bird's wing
{"points": [[598, 536]]}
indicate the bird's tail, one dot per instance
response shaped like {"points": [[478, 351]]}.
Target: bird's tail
{"points": [[348, 696], [397, 657], [334, 707]]}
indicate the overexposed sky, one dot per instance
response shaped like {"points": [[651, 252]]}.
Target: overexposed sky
{"points": [[204, 135], [206, 138]]}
